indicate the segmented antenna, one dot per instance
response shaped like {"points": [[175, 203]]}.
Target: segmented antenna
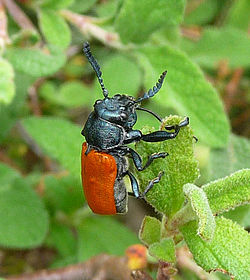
{"points": [[96, 66], [155, 89]]}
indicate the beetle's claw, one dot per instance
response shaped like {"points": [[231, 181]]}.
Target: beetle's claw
{"points": [[185, 122]]}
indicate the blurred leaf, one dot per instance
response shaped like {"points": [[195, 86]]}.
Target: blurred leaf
{"points": [[54, 28], [241, 215], [108, 8], [187, 90], [36, 62], [138, 19], [223, 162], [150, 231], [56, 5], [103, 235], [7, 121], [63, 194], [200, 206], [25, 38], [7, 86], [180, 167], [229, 192], [59, 139], [228, 251], [23, 218], [75, 67], [7, 176], [9, 114], [62, 262], [239, 14], [204, 13], [70, 94], [224, 44], [80, 6], [163, 250], [62, 239], [120, 75]]}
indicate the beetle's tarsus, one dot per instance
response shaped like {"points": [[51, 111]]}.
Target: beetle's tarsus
{"points": [[151, 184]]}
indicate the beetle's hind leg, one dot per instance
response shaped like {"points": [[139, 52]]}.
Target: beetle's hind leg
{"points": [[135, 186], [151, 184]]}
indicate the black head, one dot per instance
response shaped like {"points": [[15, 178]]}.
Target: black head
{"points": [[119, 109]]}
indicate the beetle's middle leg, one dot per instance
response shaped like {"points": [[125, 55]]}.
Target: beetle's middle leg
{"points": [[138, 160]]}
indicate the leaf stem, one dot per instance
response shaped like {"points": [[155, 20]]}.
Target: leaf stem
{"points": [[183, 216]]}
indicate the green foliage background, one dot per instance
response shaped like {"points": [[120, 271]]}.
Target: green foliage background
{"points": [[47, 90]]}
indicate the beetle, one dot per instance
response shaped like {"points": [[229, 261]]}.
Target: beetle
{"points": [[107, 131]]}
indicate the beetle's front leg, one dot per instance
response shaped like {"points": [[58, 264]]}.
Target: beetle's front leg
{"points": [[162, 135]]}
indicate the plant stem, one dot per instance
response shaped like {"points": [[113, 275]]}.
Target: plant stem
{"points": [[18, 15], [4, 38], [100, 267], [163, 226], [183, 216], [87, 25]]}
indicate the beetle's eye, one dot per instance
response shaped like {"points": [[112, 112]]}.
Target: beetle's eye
{"points": [[123, 116], [98, 101], [130, 103]]}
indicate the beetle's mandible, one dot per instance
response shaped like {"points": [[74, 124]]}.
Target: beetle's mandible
{"points": [[107, 130]]}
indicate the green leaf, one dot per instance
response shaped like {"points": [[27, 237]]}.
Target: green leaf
{"points": [[9, 114], [7, 86], [69, 94], [138, 19], [26, 38], [62, 262], [180, 167], [238, 15], [204, 13], [36, 62], [223, 162], [241, 215], [200, 206], [108, 8], [80, 6], [163, 250], [62, 239], [103, 235], [54, 28], [229, 192], [23, 218], [7, 176], [59, 139], [224, 44], [228, 251], [56, 5], [120, 75], [187, 90], [63, 194], [150, 231]]}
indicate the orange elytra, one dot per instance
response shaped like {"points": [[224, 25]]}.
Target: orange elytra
{"points": [[98, 178]]}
